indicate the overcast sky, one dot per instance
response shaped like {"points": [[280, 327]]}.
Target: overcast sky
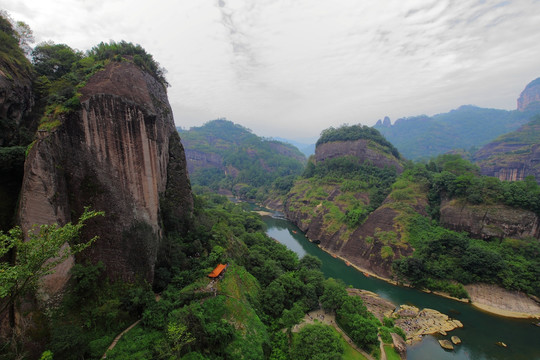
{"points": [[292, 68]]}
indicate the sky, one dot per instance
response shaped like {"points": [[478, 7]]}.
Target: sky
{"points": [[292, 68]]}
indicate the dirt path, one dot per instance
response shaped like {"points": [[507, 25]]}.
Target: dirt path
{"points": [[381, 346], [116, 339], [329, 319]]}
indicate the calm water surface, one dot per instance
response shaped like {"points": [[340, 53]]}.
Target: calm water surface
{"points": [[480, 332]]}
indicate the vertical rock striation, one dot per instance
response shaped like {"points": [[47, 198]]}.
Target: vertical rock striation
{"points": [[116, 154]]}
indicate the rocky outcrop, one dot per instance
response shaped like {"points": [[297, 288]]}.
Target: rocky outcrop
{"points": [[446, 344], [287, 150], [414, 321], [16, 125], [16, 101], [513, 156], [121, 154], [376, 305], [489, 221], [364, 150], [399, 345], [530, 96], [197, 160], [417, 323]]}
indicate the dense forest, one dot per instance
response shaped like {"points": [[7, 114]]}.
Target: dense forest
{"points": [[252, 309], [248, 166]]}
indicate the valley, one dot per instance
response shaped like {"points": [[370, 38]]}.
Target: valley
{"points": [[113, 217]]}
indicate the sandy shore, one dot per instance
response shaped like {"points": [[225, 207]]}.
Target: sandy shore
{"points": [[488, 298], [262, 213], [496, 300]]}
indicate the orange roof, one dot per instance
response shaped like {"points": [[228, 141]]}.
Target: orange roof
{"points": [[217, 271]]}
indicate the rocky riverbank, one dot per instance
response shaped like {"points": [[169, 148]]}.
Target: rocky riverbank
{"points": [[414, 321], [490, 298]]}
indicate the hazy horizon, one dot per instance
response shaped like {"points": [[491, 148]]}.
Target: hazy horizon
{"points": [[291, 69]]}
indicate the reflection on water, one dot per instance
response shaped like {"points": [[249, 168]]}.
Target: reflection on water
{"points": [[480, 332]]}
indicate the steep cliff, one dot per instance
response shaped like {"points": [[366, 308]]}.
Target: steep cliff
{"points": [[489, 221], [530, 96], [374, 242], [16, 103], [513, 156], [345, 202], [119, 153], [362, 149]]}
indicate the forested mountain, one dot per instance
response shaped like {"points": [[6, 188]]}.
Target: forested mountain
{"points": [[227, 157], [106, 140], [438, 225], [422, 137], [513, 156]]}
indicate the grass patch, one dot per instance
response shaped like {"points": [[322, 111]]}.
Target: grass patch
{"points": [[391, 353], [349, 352]]}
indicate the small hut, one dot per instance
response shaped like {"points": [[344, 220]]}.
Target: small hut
{"points": [[218, 271]]}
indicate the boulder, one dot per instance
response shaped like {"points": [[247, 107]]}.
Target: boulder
{"points": [[446, 344]]}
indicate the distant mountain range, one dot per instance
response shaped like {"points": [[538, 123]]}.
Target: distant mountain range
{"points": [[422, 137]]}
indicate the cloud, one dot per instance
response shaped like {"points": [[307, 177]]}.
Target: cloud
{"points": [[297, 67]]}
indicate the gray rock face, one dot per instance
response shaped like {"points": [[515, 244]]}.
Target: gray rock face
{"points": [[16, 101], [530, 96], [202, 160], [362, 149], [400, 345], [116, 154], [489, 221]]}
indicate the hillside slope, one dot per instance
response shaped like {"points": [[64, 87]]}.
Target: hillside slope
{"points": [[513, 156], [438, 225], [342, 200], [229, 158]]}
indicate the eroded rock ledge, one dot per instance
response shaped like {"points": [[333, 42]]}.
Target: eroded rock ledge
{"points": [[414, 321]]}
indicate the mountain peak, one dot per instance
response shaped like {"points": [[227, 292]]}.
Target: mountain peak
{"points": [[530, 96]]}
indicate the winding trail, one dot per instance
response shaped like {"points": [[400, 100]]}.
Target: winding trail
{"points": [[119, 336], [116, 339]]}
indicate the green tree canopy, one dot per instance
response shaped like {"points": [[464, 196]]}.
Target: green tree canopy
{"points": [[24, 262], [317, 341]]}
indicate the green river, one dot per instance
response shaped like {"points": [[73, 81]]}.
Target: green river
{"points": [[480, 332]]}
